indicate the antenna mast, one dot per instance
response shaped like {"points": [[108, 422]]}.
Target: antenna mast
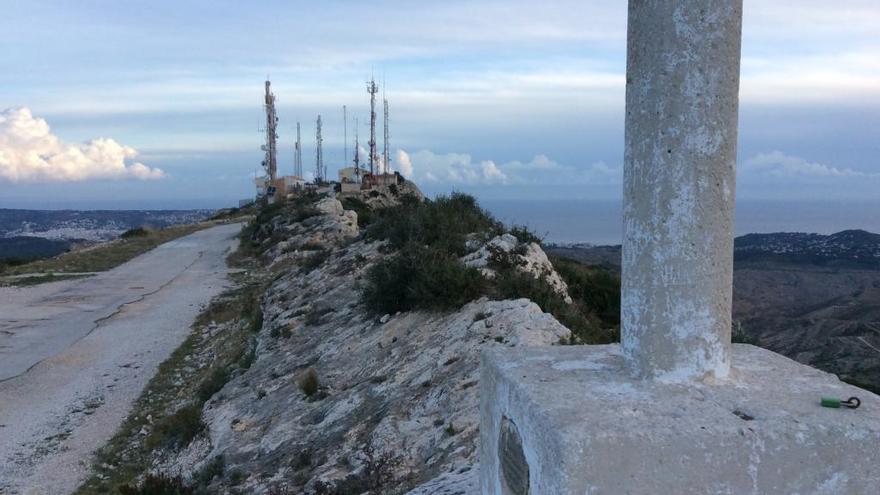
{"points": [[372, 89], [297, 155], [344, 133], [357, 150], [319, 157], [386, 159], [270, 162]]}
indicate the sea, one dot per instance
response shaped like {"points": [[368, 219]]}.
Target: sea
{"points": [[599, 222]]}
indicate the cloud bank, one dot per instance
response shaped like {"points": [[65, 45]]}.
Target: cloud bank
{"points": [[29, 152], [462, 169], [778, 164]]}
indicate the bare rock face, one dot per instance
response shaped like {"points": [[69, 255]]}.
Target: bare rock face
{"points": [[389, 195], [528, 258], [331, 226], [395, 407]]}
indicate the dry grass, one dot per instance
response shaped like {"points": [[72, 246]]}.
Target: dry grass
{"points": [[207, 360], [107, 255]]}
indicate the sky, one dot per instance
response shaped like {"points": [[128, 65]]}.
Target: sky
{"points": [[108, 104]]}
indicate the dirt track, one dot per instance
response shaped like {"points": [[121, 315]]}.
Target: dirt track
{"points": [[74, 355]]}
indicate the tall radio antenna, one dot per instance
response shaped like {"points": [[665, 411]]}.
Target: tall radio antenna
{"points": [[297, 155], [386, 159], [344, 133], [372, 89], [270, 162], [319, 157], [357, 150]]}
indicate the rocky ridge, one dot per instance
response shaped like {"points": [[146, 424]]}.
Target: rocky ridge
{"points": [[342, 400]]}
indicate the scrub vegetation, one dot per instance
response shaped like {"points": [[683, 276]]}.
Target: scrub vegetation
{"points": [[103, 257], [168, 414], [425, 271]]}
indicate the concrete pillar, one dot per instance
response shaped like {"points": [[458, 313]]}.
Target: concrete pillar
{"points": [[683, 63]]}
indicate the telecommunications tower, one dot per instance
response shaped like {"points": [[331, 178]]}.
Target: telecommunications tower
{"points": [[386, 159], [319, 156], [270, 162], [372, 88], [357, 151], [297, 155]]}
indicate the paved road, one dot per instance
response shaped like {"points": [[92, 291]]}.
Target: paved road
{"points": [[74, 355]]}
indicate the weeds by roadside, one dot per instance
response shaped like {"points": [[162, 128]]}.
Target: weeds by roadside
{"points": [[108, 255], [168, 414]]}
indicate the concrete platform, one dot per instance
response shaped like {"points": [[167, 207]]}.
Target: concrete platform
{"points": [[569, 420]]}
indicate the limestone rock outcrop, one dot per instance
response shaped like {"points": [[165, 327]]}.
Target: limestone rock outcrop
{"points": [[527, 256], [396, 403]]}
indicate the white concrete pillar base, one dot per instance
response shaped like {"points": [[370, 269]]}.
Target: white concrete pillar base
{"points": [[587, 427]]}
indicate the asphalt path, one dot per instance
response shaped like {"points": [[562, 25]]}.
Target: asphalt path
{"points": [[74, 355]]}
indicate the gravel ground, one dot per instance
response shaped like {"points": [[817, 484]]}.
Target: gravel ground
{"points": [[74, 355]]}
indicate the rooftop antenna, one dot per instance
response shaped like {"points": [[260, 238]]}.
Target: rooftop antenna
{"points": [[357, 153], [344, 133], [270, 161], [372, 89], [319, 157], [297, 155], [386, 158]]}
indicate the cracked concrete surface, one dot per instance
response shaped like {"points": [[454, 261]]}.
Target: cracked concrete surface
{"points": [[74, 355]]}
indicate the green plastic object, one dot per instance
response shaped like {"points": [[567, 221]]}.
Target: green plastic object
{"points": [[830, 402]]}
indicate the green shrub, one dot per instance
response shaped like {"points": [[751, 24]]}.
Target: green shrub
{"points": [[136, 232], [314, 260], [211, 470], [212, 384], [524, 235], [443, 223], [178, 429], [363, 210], [595, 287], [158, 484], [420, 278], [309, 383], [585, 326]]}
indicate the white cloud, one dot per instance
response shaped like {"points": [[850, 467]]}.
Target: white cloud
{"points": [[778, 164], [29, 152], [461, 168], [404, 163], [454, 168]]}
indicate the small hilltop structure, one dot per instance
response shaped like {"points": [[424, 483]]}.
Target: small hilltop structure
{"points": [[375, 180]]}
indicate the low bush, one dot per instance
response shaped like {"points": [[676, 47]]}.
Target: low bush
{"points": [[363, 210], [158, 484], [309, 383], [314, 260], [585, 326], [136, 232], [216, 379], [524, 235], [421, 278], [178, 429], [443, 223], [596, 288]]}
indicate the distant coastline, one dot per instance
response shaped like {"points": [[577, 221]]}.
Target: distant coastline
{"points": [[598, 222]]}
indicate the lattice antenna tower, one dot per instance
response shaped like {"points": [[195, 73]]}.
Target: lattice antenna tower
{"points": [[357, 150], [319, 156], [270, 162], [386, 158], [372, 88], [344, 133], [297, 154]]}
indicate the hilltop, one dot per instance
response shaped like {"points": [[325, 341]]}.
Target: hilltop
{"points": [[346, 360]]}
